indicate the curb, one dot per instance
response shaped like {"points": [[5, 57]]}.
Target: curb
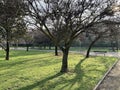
{"points": [[105, 75]]}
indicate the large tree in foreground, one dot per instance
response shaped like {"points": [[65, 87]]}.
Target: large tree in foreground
{"points": [[67, 19]]}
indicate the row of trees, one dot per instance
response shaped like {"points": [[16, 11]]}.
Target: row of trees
{"points": [[105, 30], [62, 21]]}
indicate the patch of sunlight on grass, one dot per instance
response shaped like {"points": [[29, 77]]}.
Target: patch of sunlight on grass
{"points": [[35, 70]]}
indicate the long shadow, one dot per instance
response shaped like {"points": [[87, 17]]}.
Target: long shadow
{"points": [[19, 55], [25, 64], [79, 73], [58, 79], [40, 83], [15, 53], [78, 77], [24, 53], [105, 59], [24, 61]]}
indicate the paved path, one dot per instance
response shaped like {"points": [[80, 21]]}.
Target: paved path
{"points": [[112, 80], [111, 54]]}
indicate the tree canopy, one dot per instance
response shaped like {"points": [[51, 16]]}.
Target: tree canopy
{"points": [[63, 20]]}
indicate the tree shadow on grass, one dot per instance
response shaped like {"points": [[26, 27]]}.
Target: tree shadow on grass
{"points": [[17, 58], [21, 53], [15, 67], [79, 74], [61, 80], [105, 61], [78, 77], [82, 77], [40, 83], [26, 61]]}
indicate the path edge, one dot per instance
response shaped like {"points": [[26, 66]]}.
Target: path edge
{"points": [[108, 71]]}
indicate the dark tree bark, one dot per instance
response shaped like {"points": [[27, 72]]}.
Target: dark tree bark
{"points": [[117, 46], [44, 47], [64, 67], [49, 46], [113, 46], [7, 50], [56, 51], [90, 46], [27, 48]]}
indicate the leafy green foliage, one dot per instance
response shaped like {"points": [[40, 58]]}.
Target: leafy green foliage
{"points": [[35, 70]]}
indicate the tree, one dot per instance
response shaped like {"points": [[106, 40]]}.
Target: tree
{"points": [[28, 38], [67, 19], [96, 32], [56, 50], [42, 39], [2, 35], [105, 29], [11, 11], [114, 36]]}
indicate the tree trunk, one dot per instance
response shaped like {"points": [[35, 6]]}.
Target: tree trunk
{"points": [[112, 45], [117, 46], [56, 51], [40, 47], [44, 47], [7, 51], [90, 46], [49, 47], [27, 49], [64, 67]]}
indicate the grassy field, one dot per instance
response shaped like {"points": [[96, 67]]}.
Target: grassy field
{"points": [[36, 70]]}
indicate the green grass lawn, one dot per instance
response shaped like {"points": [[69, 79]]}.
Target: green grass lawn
{"points": [[36, 70]]}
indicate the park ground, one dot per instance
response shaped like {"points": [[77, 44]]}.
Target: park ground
{"points": [[38, 70], [112, 79]]}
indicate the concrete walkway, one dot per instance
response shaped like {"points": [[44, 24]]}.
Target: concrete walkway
{"points": [[111, 54], [112, 80]]}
